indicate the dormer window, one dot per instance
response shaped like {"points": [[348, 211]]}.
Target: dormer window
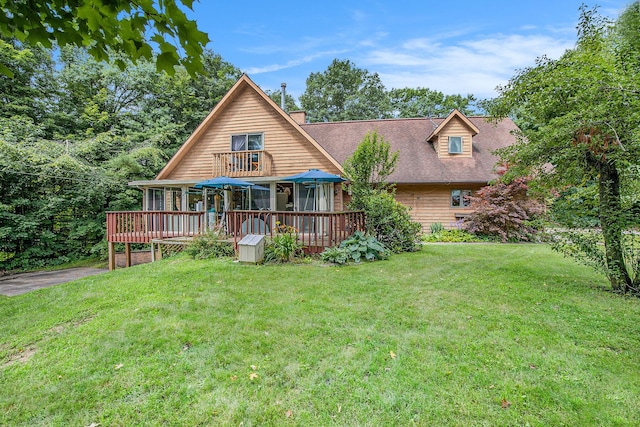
{"points": [[247, 141], [455, 145]]}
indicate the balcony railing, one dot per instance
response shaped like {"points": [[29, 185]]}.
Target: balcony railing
{"points": [[242, 163]]}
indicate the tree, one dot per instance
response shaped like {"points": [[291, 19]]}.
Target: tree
{"points": [[131, 29], [424, 102], [96, 96], [24, 94], [505, 210], [289, 101], [579, 120], [369, 167], [345, 92], [68, 152], [386, 219], [180, 102]]}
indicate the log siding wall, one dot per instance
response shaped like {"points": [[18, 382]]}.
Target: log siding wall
{"points": [[454, 128], [249, 113], [432, 203]]}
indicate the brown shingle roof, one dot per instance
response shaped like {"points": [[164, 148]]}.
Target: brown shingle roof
{"points": [[418, 162]]}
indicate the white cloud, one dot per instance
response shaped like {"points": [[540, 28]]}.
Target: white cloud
{"points": [[471, 65], [292, 63]]}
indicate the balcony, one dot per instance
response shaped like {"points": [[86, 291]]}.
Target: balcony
{"points": [[242, 163]]}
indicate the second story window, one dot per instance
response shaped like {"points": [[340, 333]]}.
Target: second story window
{"points": [[247, 141], [455, 144]]}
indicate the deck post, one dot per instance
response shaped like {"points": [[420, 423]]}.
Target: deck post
{"points": [[127, 254], [111, 255], [153, 252]]}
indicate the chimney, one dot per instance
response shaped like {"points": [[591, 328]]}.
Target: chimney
{"points": [[300, 117], [283, 96]]}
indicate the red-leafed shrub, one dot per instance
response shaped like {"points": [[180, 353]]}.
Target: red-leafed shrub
{"points": [[505, 211]]}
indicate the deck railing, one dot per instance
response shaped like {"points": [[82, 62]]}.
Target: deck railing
{"points": [[314, 230], [144, 226], [242, 163]]}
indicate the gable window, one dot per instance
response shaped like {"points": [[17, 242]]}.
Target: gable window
{"points": [[247, 141], [455, 144], [460, 198]]}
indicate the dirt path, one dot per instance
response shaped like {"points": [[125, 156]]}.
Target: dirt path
{"points": [[17, 284]]}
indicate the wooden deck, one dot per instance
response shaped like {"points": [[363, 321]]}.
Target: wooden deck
{"points": [[314, 230]]}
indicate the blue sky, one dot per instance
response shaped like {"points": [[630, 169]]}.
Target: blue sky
{"points": [[451, 46]]}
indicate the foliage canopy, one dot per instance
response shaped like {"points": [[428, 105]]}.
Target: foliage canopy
{"points": [[368, 169], [131, 29], [504, 210], [579, 118], [344, 92], [74, 131]]}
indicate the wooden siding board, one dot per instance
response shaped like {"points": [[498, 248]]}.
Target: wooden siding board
{"points": [[291, 152], [432, 203], [455, 128]]}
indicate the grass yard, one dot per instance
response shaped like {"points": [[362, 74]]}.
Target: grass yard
{"points": [[468, 335]]}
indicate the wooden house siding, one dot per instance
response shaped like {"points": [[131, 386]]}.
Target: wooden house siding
{"points": [[432, 203], [454, 128], [249, 113]]}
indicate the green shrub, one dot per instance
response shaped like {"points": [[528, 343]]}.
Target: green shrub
{"points": [[209, 245], [360, 246], [336, 255], [505, 210], [390, 222], [436, 227], [283, 246], [454, 236]]}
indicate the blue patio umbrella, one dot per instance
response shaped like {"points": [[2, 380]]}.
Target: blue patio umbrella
{"points": [[314, 176], [259, 187], [223, 182]]}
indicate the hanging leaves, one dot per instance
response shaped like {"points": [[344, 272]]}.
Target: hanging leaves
{"points": [[121, 27]]}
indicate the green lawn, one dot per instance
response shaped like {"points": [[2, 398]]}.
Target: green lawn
{"points": [[480, 334]]}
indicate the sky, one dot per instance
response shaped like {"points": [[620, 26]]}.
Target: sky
{"points": [[456, 47]]}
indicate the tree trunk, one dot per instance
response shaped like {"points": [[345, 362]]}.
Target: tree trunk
{"points": [[612, 221]]}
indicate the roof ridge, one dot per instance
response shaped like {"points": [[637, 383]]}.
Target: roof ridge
{"points": [[376, 120]]}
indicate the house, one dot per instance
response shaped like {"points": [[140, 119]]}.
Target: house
{"points": [[248, 136]]}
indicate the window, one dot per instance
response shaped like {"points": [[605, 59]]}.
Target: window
{"points": [[174, 199], [155, 199], [195, 202], [254, 198], [455, 144], [460, 198], [247, 141]]}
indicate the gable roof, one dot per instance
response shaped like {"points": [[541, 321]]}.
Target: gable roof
{"points": [[455, 113], [230, 96], [418, 161]]}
